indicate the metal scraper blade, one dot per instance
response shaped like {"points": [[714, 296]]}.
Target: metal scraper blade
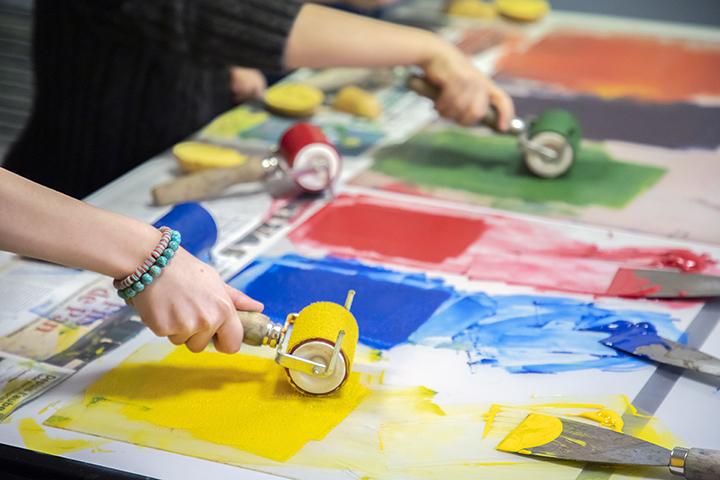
{"points": [[637, 282], [586, 443], [662, 350]]}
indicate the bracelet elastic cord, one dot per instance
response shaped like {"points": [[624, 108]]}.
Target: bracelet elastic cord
{"points": [[152, 267]]}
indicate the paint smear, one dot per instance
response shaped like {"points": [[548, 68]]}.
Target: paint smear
{"points": [[426, 234], [36, 438], [485, 247], [239, 401], [520, 333], [491, 167], [619, 65], [534, 431], [389, 305], [535, 334], [672, 125]]}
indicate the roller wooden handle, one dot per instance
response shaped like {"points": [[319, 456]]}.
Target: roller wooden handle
{"points": [[255, 326], [702, 464], [206, 183], [422, 87]]}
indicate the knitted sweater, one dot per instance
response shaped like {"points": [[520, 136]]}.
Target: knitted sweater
{"points": [[120, 81]]}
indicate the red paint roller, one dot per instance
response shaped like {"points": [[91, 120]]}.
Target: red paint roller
{"points": [[304, 155]]}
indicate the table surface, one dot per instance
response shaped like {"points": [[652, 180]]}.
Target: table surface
{"points": [[686, 403]]}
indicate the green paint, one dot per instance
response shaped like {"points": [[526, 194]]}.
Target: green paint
{"points": [[492, 166]]}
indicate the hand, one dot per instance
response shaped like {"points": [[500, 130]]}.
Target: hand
{"points": [[465, 92], [190, 304], [246, 83]]}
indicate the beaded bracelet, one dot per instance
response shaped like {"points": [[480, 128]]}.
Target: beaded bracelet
{"points": [[149, 261], [152, 267]]}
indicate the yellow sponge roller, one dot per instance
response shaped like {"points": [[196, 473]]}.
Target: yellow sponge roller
{"points": [[523, 10], [194, 156], [357, 101], [294, 99]]}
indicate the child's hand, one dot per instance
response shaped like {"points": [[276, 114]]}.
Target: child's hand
{"points": [[465, 91], [190, 304]]}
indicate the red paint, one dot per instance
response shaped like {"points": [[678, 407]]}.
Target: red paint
{"points": [[685, 260], [482, 247], [627, 284], [620, 65], [376, 229]]}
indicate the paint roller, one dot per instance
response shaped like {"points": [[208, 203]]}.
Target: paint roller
{"points": [[316, 346], [304, 155], [549, 142]]}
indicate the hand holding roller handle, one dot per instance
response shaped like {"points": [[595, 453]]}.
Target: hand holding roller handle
{"points": [[422, 87]]}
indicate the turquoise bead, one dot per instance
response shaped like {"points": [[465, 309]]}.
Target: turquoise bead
{"points": [[168, 253], [161, 261], [173, 245], [121, 294], [146, 279], [175, 235], [138, 287], [155, 271], [129, 292]]}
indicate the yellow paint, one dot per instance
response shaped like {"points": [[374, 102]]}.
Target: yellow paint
{"points": [[230, 124], [606, 418], [582, 443], [67, 335], [471, 9], [194, 156], [523, 10], [357, 101], [239, 401], [294, 99], [48, 406], [35, 438], [489, 418], [534, 431]]}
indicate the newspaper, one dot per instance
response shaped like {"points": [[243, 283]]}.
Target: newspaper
{"points": [[56, 333]]}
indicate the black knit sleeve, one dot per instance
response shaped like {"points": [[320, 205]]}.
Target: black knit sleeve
{"points": [[251, 33]]}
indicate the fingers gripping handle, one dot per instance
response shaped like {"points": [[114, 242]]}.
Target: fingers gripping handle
{"points": [[702, 464], [422, 87], [255, 327], [206, 183]]}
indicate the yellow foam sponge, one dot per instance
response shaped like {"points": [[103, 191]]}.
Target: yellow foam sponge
{"points": [[194, 156], [471, 9], [357, 101], [323, 320], [294, 99], [523, 10]]}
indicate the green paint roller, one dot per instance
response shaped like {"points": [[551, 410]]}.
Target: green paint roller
{"points": [[549, 142]]}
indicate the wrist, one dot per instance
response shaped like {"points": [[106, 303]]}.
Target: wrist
{"points": [[132, 250]]}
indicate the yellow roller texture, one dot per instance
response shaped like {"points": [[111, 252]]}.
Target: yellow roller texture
{"points": [[523, 10], [471, 9], [294, 99], [323, 320], [194, 156], [357, 101]]}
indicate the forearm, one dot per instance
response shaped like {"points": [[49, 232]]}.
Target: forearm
{"points": [[41, 223], [324, 37]]}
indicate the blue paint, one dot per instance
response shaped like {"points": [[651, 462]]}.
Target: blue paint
{"points": [[520, 333], [388, 306], [631, 338], [197, 226], [536, 334]]}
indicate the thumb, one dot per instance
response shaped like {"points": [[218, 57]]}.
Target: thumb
{"points": [[242, 301]]}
